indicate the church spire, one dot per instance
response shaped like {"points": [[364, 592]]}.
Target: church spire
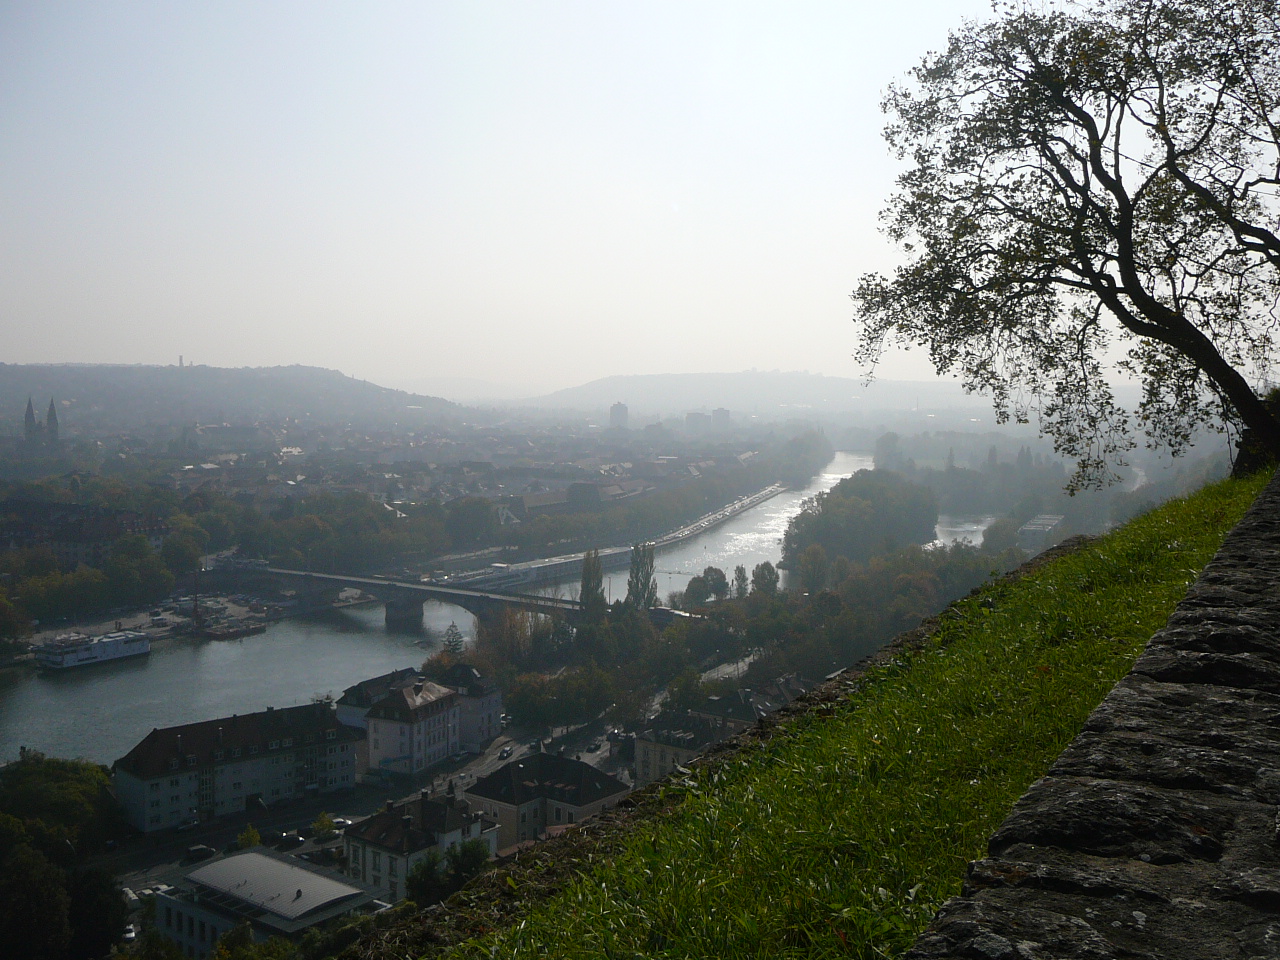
{"points": [[29, 422], [51, 424]]}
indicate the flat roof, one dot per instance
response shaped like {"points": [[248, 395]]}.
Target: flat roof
{"points": [[271, 885]]}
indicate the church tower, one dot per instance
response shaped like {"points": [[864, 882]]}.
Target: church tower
{"points": [[30, 429], [51, 424]]}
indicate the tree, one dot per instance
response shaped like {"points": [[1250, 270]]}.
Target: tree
{"points": [[740, 582], [425, 882], [97, 913], [323, 826], [716, 582], [696, 592], [642, 588], [591, 595], [812, 568], [466, 860], [764, 579], [34, 907], [1099, 172], [453, 642], [248, 837]]}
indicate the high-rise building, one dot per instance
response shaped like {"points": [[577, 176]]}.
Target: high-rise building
{"points": [[618, 416]]}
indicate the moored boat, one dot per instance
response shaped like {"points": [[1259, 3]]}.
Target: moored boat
{"points": [[78, 649]]}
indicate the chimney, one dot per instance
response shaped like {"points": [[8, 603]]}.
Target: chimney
{"points": [[179, 743], [391, 805], [219, 736], [407, 822]]}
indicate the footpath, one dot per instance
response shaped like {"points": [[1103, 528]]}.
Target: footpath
{"points": [[1155, 834]]}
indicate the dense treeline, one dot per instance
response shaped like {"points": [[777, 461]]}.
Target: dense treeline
{"points": [[53, 814], [871, 512]]}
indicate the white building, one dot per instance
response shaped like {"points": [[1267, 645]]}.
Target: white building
{"points": [[479, 709], [382, 849], [277, 897], [219, 767], [413, 728]]}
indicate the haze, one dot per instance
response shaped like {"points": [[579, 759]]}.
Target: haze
{"points": [[530, 195]]}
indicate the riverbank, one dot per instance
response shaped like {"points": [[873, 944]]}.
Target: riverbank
{"points": [[874, 794]]}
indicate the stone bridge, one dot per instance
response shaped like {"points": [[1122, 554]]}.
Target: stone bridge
{"points": [[404, 598]]}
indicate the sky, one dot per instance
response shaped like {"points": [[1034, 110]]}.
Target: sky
{"points": [[529, 194]]}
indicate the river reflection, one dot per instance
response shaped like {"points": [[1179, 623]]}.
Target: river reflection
{"points": [[99, 712]]}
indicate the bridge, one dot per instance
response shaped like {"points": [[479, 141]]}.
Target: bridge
{"points": [[404, 598]]}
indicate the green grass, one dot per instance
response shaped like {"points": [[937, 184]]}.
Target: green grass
{"points": [[843, 833]]}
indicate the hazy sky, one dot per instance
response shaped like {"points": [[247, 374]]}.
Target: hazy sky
{"points": [[536, 193]]}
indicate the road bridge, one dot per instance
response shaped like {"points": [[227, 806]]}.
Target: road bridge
{"points": [[404, 598]]}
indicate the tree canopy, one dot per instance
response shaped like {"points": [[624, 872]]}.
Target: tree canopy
{"points": [[1086, 176]]}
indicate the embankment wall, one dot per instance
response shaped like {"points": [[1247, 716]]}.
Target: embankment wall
{"points": [[1155, 834]]}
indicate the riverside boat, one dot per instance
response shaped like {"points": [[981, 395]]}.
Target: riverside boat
{"points": [[77, 649]]}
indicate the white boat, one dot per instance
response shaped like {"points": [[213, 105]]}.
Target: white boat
{"points": [[77, 649]]}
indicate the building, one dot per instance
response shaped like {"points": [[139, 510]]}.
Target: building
{"points": [[357, 699], [413, 727], [35, 432], [535, 794], [721, 420], [278, 897], [480, 706], [618, 416], [383, 848], [1040, 532], [220, 767], [671, 740]]}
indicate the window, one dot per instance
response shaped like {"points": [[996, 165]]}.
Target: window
{"points": [[155, 803], [173, 764], [219, 754], [155, 786], [253, 748], [377, 860], [235, 751], [191, 759], [168, 916], [391, 866], [273, 745], [331, 734], [288, 742], [557, 814], [394, 895], [202, 931]]}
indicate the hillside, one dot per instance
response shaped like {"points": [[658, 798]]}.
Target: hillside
{"points": [[104, 398], [840, 829], [760, 393]]}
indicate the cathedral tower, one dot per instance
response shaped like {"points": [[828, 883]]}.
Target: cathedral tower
{"points": [[51, 424]]}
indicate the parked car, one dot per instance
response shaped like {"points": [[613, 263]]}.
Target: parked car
{"points": [[130, 933], [200, 851], [504, 752], [341, 823]]}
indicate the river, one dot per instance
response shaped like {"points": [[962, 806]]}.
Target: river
{"points": [[100, 712]]}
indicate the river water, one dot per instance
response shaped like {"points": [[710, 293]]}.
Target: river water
{"points": [[100, 712]]}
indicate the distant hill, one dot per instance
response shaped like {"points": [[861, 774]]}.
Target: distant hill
{"points": [[766, 394], [103, 397]]}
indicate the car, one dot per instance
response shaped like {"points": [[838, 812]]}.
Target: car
{"points": [[186, 825], [457, 758], [504, 752], [130, 933], [200, 851], [341, 823], [593, 746]]}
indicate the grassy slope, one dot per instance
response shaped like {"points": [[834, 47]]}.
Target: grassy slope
{"points": [[842, 834]]}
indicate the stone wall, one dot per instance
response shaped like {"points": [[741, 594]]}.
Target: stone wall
{"points": [[1155, 834]]}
